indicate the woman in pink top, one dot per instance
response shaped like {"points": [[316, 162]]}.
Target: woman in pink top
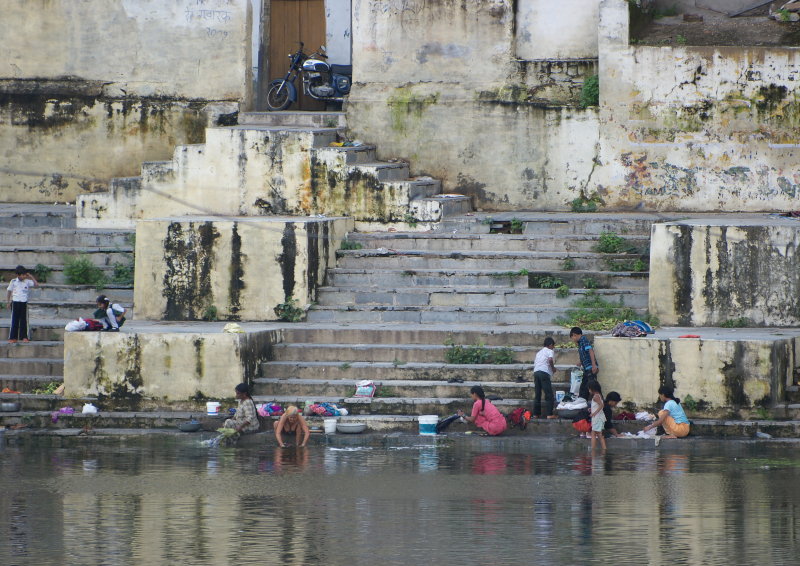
{"points": [[484, 414]]}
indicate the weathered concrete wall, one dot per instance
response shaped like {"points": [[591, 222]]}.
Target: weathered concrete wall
{"points": [[338, 31], [557, 29], [89, 90], [252, 171], [241, 267], [707, 272], [696, 128], [439, 84], [725, 373], [170, 366]]}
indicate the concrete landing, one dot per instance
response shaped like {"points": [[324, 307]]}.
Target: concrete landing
{"points": [[724, 370]]}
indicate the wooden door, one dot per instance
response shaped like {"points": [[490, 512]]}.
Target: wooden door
{"points": [[292, 21]]}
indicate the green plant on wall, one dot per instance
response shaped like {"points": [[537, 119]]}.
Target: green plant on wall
{"points": [[289, 311], [79, 270], [42, 272], [590, 92]]}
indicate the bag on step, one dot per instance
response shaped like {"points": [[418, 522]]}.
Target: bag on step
{"points": [[519, 417]]}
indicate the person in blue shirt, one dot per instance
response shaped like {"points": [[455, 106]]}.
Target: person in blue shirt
{"points": [[671, 417], [588, 361]]}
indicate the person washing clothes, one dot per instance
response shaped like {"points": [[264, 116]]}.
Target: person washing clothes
{"points": [[484, 413], [245, 419], [671, 417], [17, 299], [112, 315]]}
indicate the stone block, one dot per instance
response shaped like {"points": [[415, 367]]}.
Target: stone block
{"points": [[242, 267], [726, 369], [706, 272], [172, 365]]}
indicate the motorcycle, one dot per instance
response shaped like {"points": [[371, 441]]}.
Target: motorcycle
{"points": [[321, 80]]}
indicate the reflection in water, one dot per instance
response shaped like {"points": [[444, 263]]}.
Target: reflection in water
{"points": [[713, 503]]}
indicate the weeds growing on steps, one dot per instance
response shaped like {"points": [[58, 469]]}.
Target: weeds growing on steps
{"points": [[350, 245], [42, 272], [79, 270], [289, 311], [593, 312], [477, 354]]}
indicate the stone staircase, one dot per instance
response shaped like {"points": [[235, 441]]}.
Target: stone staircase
{"points": [[391, 309], [286, 163], [42, 235]]}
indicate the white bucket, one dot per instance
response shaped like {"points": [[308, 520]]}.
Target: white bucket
{"points": [[212, 408], [330, 426], [427, 424]]}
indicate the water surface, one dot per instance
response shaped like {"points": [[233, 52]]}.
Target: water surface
{"points": [[467, 501]]}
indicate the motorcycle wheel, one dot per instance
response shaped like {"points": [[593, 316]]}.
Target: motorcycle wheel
{"points": [[278, 97]]}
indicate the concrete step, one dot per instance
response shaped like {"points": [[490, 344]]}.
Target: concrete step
{"points": [[384, 171], [37, 216], [313, 388], [469, 296], [395, 406], [50, 349], [56, 276], [562, 223], [26, 383], [486, 242], [294, 119], [433, 277], [66, 310], [412, 371], [322, 136], [65, 237], [378, 352], [31, 366], [517, 335], [41, 329], [48, 292], [437, 207], [439, 315], [380, 259], [417, 187], [53, 256], [346, 155]]}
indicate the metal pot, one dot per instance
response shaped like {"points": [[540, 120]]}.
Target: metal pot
{"points": [[10, 406]]}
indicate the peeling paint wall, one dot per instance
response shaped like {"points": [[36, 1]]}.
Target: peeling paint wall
{"points": [[726, 375], [239, 269], [556, 29], [90, 89], [707, 273], [696, 128], [170, 366], [439, 84], [252, 172]]}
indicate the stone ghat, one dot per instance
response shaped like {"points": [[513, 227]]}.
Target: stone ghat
{"points": [[381, 430], [720, 371]]}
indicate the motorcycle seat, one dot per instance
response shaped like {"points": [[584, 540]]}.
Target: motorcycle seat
{"points": [[342, 69]]}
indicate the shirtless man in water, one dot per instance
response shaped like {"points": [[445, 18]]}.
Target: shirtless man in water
{"points": [[291, 422]]}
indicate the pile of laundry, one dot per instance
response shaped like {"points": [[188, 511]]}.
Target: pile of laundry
{"points": [[324, 410]]}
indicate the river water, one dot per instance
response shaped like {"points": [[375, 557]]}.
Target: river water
{"points": [[412, 501]]}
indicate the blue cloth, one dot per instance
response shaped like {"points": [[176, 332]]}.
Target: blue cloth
{"points": [[676, 412], [583, 350]]}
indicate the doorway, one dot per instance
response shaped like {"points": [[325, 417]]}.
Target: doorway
{"points": [[290, 22]]}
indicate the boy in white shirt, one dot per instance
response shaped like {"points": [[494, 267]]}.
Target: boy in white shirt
{"points": [[17, 299], [543, 369]]}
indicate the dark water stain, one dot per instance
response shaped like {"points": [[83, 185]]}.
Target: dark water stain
{"points": [[198, 344], [189, 259], [287, 258], [681, 253], [733, 378], [237, 273], [313, 244]]}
